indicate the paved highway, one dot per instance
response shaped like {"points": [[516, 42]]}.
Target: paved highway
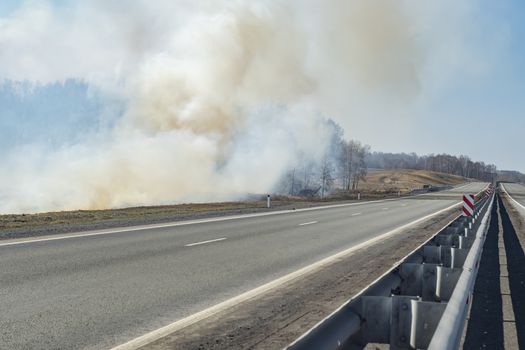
{"points": [[98, 291], [516, 191]]}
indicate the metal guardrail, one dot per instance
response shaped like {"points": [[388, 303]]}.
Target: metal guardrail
{"points": [[420, 303]]}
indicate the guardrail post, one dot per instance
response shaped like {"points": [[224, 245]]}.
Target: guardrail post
{"points": [[446, 282], [432, 254], [376, 311], [401, 327], [425, 318]]}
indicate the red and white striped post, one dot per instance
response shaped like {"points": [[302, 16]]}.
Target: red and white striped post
{"points": [[468, 205]]}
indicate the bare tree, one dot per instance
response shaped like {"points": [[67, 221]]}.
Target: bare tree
{"points": [[346, 160], [292, 182], [327, 179], [360, 168]]}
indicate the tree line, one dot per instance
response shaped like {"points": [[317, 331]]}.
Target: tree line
{"points": [[444, 163], [345, 164]]}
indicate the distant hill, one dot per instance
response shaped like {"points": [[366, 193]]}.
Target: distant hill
{"points": [[511, 176], [405, 180]]}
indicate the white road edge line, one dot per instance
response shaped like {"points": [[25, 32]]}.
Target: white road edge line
{"points": [[308, 223], [355, 214], [206, 242], [190, 222], [189, 320], [399, 262], [176, 224], [508, 194]]}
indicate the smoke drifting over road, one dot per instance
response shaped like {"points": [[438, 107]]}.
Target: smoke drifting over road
{"points": [[220, 97]]}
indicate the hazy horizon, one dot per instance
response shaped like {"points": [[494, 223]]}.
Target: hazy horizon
{"points": [[195, 99]]}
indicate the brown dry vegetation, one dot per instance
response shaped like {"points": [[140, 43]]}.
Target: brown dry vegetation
{"points": [[406, 180], [379, 184], [83, 216]]}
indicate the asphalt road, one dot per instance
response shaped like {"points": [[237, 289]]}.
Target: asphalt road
{"points": [[516, 191], [102, 290]]}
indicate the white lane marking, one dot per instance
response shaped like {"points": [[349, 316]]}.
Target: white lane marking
{"points": [[403, 205], [356, 214], [386, 208], [189, 320], [181, 223], [308, 223], [205, 242], [190, 222]]}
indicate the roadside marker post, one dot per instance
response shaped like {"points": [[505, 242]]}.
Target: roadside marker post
{"points": [[468, 205], [268, 201]]}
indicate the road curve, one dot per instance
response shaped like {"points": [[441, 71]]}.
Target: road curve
{"points": [[516, 191], [99, 291]]}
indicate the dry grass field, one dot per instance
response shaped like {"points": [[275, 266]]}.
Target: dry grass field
{"points": [[378, 184], [406, 180]]}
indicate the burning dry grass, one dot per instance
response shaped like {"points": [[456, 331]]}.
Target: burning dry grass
{"points": [[379, 184]]}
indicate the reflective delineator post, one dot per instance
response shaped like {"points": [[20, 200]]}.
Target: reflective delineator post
{"points": [[268, 199], [468, 205]]}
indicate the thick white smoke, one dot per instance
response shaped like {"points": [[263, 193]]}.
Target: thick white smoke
{"points": [[220, 96]]}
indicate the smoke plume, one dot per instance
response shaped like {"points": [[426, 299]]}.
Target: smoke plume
{"points": [[219, 96]]}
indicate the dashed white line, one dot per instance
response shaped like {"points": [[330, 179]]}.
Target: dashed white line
{"points": [[205, 242], [403, 205], [213, 310], [386, 208], [191, 222], [182, 223], [308, 223], [355, 214]]}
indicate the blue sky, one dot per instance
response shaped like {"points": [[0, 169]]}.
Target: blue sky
{"points": [[8, 6], [484, 117], [479, 114]]}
